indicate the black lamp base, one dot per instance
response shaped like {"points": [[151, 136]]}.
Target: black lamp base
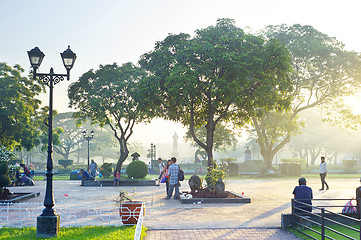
{"points": [[47, 226]]}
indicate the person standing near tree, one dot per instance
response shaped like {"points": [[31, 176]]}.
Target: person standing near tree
{"points": [[323, 173]]}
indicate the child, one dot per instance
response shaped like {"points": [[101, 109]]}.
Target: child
{"points": [[116, 177]]}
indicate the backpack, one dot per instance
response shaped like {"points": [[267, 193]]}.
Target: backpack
{"points": [[180, 175], [349, 208]]}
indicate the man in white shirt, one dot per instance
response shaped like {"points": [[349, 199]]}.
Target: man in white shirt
{"points": [[323, 173]]}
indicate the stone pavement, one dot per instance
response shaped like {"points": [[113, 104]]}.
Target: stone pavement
{"points": [[220, 234], [169, 219]]}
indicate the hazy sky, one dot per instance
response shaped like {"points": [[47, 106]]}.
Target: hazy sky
{"points": [[103, 32]]}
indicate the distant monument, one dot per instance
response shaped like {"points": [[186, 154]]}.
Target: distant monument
{"points": [[247, 155], [175, 146]]}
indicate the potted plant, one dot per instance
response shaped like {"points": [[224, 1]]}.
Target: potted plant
{"points": [[129, 210]]}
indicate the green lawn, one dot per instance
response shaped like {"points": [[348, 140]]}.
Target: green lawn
{"points": [[90, 232], [329, 233]]}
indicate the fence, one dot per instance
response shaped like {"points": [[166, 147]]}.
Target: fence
{"points": [[71, 214], [324, 218]]}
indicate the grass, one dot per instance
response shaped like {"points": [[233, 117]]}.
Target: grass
{"points": [[70, 233], [329, 233]]}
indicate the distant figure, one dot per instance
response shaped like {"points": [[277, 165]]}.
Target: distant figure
{"points": [[173, 171], [323, 173], [84, 176], [247, 155], [26, 170], [358, 197], [116, 177], [161, 166], [149, 167], [93, 168], [303, 194]]}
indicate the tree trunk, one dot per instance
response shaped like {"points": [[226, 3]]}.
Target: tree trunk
{"points": [[124, 152]]}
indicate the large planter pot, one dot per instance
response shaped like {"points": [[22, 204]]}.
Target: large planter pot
{"points": [[129, 212]]}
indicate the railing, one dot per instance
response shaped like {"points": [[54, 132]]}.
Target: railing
{"points": [[71, 214], [323, 218]]}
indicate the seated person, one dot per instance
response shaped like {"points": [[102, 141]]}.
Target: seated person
{"points": [[84, 176], [358, 197], [303, 194], [26, 170]]}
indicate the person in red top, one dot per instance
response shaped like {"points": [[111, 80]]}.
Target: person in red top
{"points": [[26, 170], [166, 175]]}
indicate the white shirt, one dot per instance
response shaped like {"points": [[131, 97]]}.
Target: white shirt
{"points": [[323, 167]]}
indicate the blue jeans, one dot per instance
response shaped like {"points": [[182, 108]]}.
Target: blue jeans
{"points": [[170, 190]]}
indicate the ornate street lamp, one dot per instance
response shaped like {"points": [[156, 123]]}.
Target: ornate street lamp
{"points": [[88, 138], [48, 222]]}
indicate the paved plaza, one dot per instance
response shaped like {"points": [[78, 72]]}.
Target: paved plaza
{"points": [[169, 219]]}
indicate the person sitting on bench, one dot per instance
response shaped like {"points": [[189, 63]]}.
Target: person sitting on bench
{"points": [[303, 194], [84, 176]]}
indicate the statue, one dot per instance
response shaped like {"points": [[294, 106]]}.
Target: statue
{"points": [[247, 155], [175, 145]]}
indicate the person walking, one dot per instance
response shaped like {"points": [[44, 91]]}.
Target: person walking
{"points": [[173, 171], [93, 168], [323, 173]]}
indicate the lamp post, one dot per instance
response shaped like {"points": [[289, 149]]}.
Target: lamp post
{"points": [[88, 138], [48, 222]]}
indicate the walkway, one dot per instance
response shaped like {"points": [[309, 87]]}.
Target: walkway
{"points": [[220, 234], [169, 219]]}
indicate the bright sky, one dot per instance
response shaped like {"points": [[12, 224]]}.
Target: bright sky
{"points": [[103, 32]]}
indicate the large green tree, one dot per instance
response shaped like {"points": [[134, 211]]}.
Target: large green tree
{"points": [[223, 139], [18, 108], [110, 96], [323, 71], [220, 74]]}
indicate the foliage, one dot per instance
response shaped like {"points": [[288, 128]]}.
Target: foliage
{"points": [[204, 80], [124, 196], [137, 169], [79, 233], [224, 138], [212, 176], [65, 162], [349, 163], [106, 169], [323, 72], [4, 176], [18, 108], [111, 96], [5, 155]]}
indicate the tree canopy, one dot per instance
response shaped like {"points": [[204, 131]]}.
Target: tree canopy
{"points": [[18, 108], [110, 96], [323, 71], [221, 74]]}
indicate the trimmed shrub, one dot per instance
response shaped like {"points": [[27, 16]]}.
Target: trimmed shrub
{"points": [[106, 169], [137, 169], [4, 177], [233, 169], [212, 177], [290, 169], [65, 162]]}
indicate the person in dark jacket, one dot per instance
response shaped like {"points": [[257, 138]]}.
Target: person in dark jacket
{"points": [[303, 194]]}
